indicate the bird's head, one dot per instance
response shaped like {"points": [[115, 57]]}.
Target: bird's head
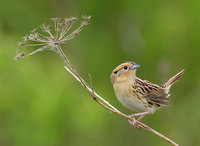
{"points": [[123, 72]]}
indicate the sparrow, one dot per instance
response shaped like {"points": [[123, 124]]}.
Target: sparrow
{"points": [[139, 95]]}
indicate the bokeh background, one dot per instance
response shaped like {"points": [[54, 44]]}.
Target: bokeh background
{"points": [[42, 105]]}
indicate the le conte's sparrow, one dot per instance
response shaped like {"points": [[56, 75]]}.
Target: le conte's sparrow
{"points": [[140, 95]]}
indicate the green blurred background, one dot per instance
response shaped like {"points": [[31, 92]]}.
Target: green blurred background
{"points": [[42, 105]]}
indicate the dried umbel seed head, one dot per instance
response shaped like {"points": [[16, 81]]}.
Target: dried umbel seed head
{"points": [[46, 39], [84, 24], [45, 28], [54, 19], [67, 20], [76, 33], [87, 18], [73, 18], [19, 56], [26, 38], [34, 30], [20, 44]]}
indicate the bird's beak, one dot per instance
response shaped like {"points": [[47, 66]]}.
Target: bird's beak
{"points": [[134, 66]]}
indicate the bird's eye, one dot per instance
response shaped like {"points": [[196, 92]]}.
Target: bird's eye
{"points": [[125, 67], [115, 72]]}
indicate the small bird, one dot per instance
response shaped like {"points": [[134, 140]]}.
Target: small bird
{"points": [[140, 95]]}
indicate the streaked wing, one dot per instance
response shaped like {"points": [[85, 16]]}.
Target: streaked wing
{"points": [[153, 93]]}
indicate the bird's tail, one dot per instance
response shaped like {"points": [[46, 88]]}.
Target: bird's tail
{"points": [[173, 80]]}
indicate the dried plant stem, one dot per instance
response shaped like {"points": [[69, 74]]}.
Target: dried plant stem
{"points": [[105, 104]]}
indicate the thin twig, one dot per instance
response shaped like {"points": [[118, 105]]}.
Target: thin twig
{"points": [[105, 103]]}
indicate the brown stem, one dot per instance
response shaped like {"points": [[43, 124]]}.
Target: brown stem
{"points": [[108, 106]]}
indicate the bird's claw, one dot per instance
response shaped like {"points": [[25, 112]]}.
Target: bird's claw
{"points": [[134, 122]]}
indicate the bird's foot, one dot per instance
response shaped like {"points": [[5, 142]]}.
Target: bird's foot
{"points": [[134, 122]]}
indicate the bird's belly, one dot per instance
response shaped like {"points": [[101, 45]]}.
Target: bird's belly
{"points": [[133, 103], [131, 100]]}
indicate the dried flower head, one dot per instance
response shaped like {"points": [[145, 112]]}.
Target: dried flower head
{"points": [[46, 39]]}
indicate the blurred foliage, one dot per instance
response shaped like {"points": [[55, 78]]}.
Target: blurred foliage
{"points": [[42, 105]]}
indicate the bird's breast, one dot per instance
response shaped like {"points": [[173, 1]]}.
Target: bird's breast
{"points": [[130, 99]]}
